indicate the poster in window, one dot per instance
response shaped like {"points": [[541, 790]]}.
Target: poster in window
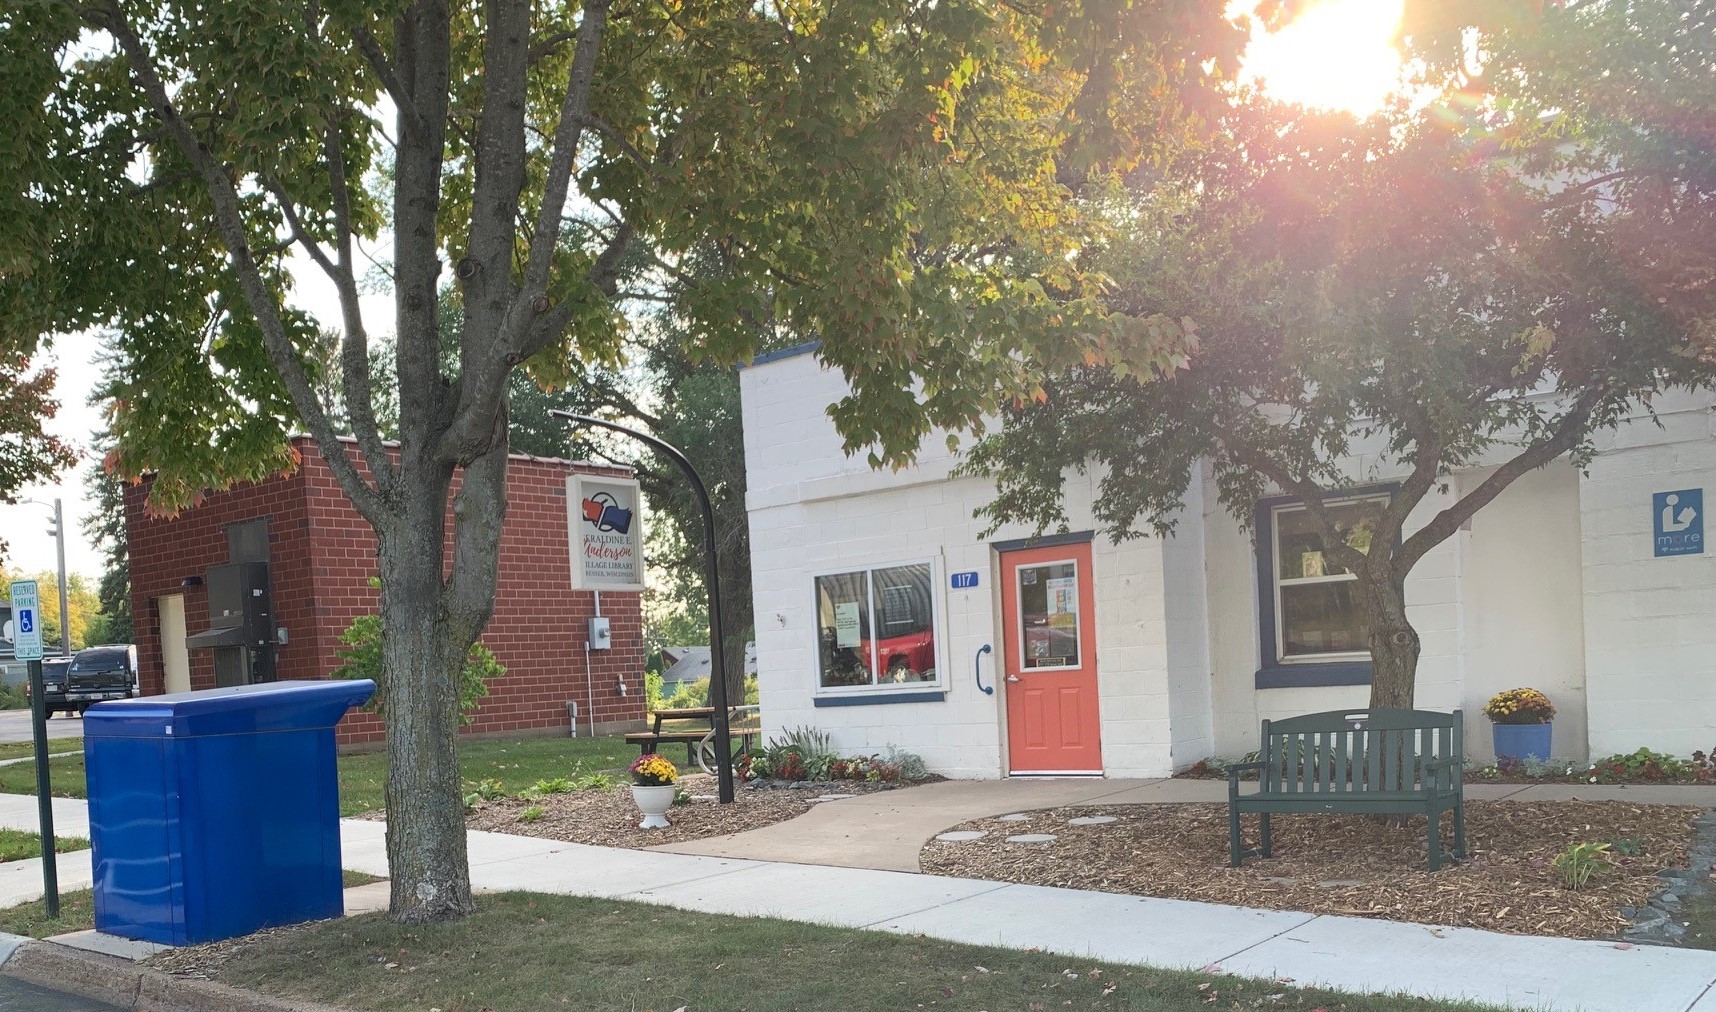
{"points": [[1311, 564], [1062, 601], [846, 624]]}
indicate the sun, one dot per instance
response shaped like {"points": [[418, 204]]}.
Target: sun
{"points": [[1337, 54]]}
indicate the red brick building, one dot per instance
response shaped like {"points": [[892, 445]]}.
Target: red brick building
{"points": [[319, 557]]}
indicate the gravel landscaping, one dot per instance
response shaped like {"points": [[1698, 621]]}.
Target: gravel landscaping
{"points": [[1344, 864], [607, 817]]}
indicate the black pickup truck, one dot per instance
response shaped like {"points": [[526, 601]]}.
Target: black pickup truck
{"points": [[98, 673]]}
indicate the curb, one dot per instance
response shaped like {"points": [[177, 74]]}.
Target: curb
{"points": [[128, 985]]}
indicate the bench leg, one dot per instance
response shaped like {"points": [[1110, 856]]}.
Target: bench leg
{"points": [[1264, 845], [1236, 856], [1435, 846], [1460, 829]]}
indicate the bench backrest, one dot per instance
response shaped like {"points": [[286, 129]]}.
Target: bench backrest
{"points": [[1361, 751]]}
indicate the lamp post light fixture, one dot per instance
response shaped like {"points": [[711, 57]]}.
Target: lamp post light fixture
{"points": [[711, 580]]}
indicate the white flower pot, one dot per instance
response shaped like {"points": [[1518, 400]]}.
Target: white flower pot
{"points": [[654, 802]]}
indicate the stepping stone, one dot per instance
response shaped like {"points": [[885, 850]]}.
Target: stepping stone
{"points": [[1013, 818], [1093, 820], [1032, 838], [962, 836]]}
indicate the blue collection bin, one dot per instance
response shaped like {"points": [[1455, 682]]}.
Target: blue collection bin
{"points": [[214, 814]]}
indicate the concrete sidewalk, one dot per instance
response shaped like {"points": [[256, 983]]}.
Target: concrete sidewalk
{"points": [[888, 829], [1351, 954]]}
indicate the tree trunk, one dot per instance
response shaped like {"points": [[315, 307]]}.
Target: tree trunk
{"points": [[1394, 643], [422, 659]]}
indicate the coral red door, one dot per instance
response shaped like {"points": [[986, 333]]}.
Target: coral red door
{"points": [[1048, 623]]}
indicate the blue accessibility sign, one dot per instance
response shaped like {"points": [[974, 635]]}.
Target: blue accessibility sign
{"points": [[1677, 522]]}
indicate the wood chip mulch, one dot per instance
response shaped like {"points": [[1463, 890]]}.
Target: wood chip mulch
{"points": [[1345, 864], [607, 818]]}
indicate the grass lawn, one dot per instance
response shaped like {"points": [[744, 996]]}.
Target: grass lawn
{"points": [[17, 845], [77, 911], [516, 763], [19, 749], [523, 952], [1700, 916], [66, 776]]}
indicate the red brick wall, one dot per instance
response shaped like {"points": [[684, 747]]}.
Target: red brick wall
{"points": [[324, 555], [166, 550]]}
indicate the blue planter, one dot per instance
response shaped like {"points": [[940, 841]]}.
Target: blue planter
{"points": [[1518, 741]]}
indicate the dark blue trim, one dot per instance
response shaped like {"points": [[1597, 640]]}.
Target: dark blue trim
{"points": [[1044, 541], [877, 698], [780, 353], [1272, 674], [1291, 676]]}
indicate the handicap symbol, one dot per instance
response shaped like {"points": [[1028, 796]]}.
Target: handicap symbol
{"points": [[26, 620]]}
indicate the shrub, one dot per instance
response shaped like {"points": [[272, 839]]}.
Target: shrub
{"points": [[652, 690], [13, 697], [1579, 863], [360, 657], [910, 763], [488, 789], [556, 785], [1644, 766], [593, 782], [1520, 706], [532, 814]]}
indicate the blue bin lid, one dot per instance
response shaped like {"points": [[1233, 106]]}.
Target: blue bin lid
{"points": [[238, 709]]}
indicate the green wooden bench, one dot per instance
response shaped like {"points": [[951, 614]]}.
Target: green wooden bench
{"points": [[1371, 762]]}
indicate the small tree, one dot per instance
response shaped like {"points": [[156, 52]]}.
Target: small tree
{"points": [[1436, 291]]}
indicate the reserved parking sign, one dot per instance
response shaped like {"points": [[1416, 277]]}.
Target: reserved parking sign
{"points": [[26, 621]]}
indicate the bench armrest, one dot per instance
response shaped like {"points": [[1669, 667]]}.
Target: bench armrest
{"points": [[1436, 764], [1236, 769]]}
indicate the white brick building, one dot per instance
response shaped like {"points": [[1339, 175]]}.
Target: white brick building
{"points": [[1141, 658]]}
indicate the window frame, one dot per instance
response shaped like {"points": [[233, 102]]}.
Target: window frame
{"points": [[880, 692], [1018, 615], [1276, 671]]}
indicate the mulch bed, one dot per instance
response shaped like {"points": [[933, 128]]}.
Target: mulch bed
{"points": [[1344, 864], [607, 818]]}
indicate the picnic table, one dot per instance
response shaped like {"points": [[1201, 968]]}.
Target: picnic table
{"points": [[695, 726]]}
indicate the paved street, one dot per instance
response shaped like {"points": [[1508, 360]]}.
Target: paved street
{"points": [[17, 996], [15, 726]]}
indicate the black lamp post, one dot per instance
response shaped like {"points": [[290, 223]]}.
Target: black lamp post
{"points": [[711, 579]]}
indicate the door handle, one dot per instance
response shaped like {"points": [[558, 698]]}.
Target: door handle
{"points": [[1012, 678]]}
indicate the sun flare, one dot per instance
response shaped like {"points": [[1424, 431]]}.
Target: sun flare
{"points": [[1337, 54]]}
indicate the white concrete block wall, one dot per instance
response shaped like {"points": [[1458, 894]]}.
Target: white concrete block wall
{"points": [[812, 508], [1523, 608], [1649, 623], [1185, 600]]}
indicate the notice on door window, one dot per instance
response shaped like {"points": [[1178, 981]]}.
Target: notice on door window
{"points": [[846, 624], [1063, 596]]}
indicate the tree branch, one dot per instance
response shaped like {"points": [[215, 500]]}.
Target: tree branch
{"points": [[378, 62], [354, 348], [229, 219], [1444, 524]]}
